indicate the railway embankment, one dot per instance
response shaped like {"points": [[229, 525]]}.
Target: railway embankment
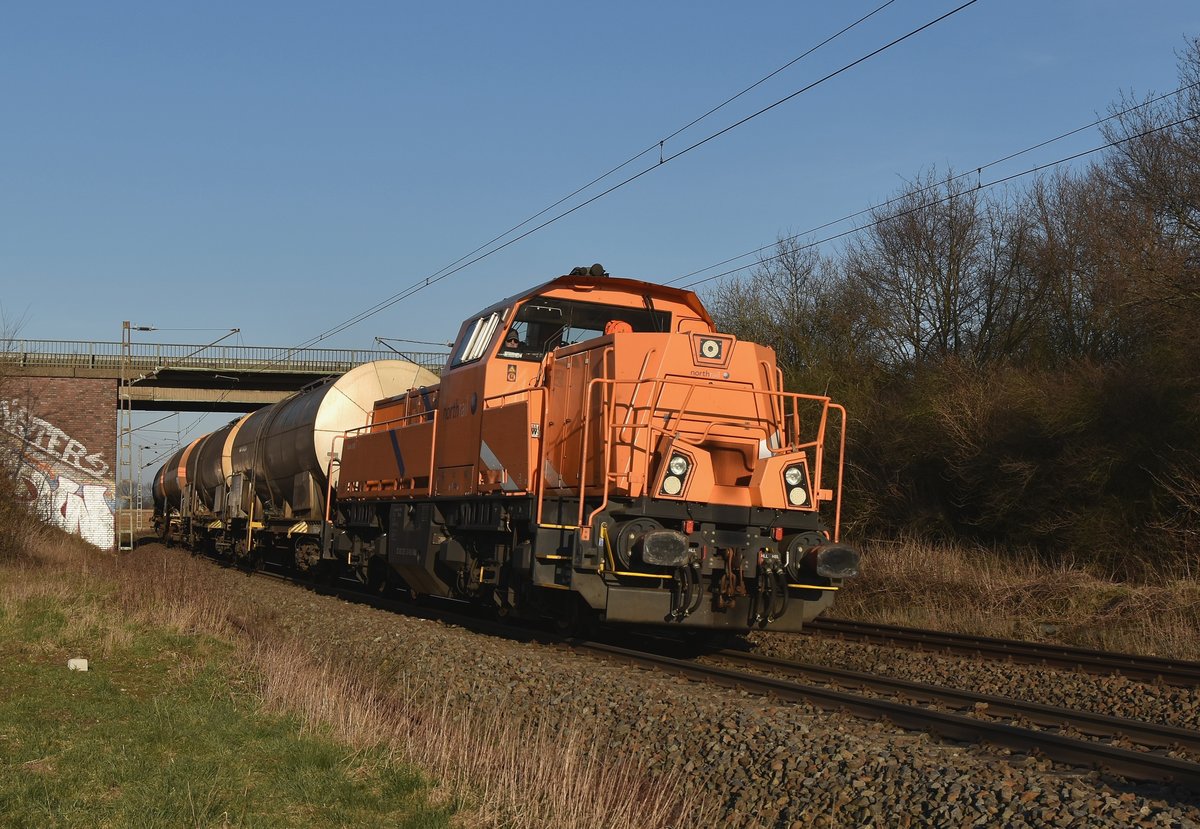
{"points": [[607, 736], [119, 709], [258, 655]]}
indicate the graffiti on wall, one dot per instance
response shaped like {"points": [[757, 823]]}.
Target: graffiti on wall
{"points": [[80, 508], [65, 484]]}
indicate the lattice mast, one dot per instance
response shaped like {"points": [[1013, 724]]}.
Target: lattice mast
{"points": [[125, 473]]}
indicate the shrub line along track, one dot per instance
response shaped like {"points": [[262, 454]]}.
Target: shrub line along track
{"points": [[1135, 765], [1169, 671]]}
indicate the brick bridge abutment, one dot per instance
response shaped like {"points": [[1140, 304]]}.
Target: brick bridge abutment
{"points": [[61, 444]]}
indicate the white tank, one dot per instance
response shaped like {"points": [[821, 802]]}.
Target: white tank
{"points": [[285, 448]]}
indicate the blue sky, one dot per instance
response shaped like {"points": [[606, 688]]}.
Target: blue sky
{"points": [[279, 167]]}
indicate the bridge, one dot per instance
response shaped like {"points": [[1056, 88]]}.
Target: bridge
{"points": [[66, 408], [181, 377]]}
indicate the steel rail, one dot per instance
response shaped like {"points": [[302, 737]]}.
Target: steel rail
{"points": [[1135, 765], [1086, 722], [1170, 671]]}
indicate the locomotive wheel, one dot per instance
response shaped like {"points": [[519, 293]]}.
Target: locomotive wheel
{"points": [[573, 618], [374, 575]]}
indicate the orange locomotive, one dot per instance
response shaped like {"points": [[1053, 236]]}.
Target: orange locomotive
{"points": [[596, 448]]}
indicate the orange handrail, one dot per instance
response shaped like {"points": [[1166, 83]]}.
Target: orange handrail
{"points": [[614, 429], [837, 514]]}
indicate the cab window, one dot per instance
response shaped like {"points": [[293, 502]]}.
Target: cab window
{"points": [[475, 339], [543, 324]]}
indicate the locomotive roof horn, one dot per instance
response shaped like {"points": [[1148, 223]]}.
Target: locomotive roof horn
{"points": [[583, 270]]}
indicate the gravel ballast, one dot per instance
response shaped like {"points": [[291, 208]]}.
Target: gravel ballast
{"points": [[1115, 696], [768, 764]]}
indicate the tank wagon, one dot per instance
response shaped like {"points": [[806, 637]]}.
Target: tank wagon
{"points": [[261, 483], [594, 448]]}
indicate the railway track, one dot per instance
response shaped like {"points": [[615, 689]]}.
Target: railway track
{"points": [[1146, 668], [1102, 726], [1143, 766]]}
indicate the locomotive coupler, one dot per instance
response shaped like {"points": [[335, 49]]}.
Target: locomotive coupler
{"points": [[733, 583]]}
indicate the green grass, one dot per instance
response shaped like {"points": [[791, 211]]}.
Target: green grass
{"points": [[164, 731]]}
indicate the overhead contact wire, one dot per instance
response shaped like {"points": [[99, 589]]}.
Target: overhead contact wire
{"points": [[428, 281], [425, 281], [981, 186], [970, 172], [459, 265]]}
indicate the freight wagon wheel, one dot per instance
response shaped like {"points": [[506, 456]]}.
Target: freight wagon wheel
{"points": [[241, 555], [307, 556]]}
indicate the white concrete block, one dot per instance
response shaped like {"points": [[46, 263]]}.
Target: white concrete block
{"points": [[77, 664]]}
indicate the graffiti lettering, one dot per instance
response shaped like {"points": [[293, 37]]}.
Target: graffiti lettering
{"points": [[47, 461], [47, 438], [83, 509]]}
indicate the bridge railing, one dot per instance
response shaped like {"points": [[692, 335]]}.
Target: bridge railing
{"points": [[150, 356]]}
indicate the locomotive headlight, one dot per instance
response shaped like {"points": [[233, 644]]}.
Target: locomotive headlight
{"points": [[794, 479], [677, 469]]}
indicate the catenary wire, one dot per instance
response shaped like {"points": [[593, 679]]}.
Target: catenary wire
{"points": [[970, 172], [659, 144], [437, 275], [432, 280], [980, 186]]}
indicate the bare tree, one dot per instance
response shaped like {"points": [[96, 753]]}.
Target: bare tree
{"points": [[16, 515], [796, 301], [1076, 259], [1154, 172], [1008, 295], [916, 265]]}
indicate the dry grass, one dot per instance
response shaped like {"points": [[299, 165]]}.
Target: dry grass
{"points": [[511, 773], [975, 590], [498, 770]]}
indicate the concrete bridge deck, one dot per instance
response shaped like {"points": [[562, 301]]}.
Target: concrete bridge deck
{"points": [[183, 377]]}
